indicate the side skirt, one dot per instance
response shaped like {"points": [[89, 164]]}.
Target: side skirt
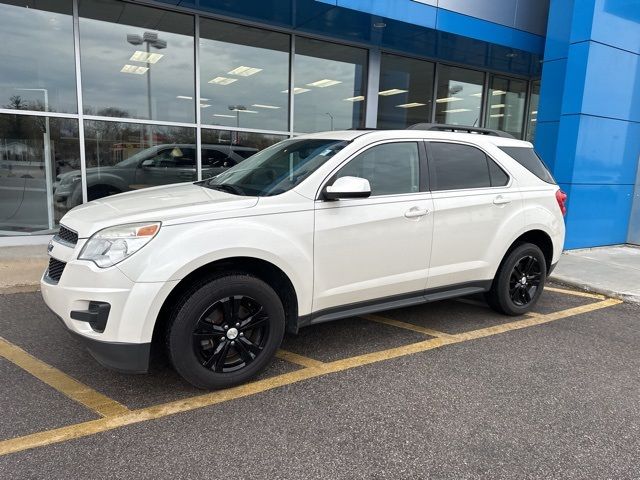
{"points": [[396, 301]]}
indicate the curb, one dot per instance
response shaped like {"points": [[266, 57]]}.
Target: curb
{"points": [[568, 282]]}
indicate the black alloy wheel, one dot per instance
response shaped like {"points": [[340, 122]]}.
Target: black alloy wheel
{"points": [[231, 334], [525, 280]]}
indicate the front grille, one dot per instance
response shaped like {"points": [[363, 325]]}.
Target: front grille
{"points": [[67, 235], [56, 267]]}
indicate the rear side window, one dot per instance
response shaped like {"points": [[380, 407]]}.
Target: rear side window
{"points": [[530, 160], [454, 167]]}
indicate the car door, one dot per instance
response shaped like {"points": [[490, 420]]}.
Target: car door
{"points": [[475, 202], [366, 249]]}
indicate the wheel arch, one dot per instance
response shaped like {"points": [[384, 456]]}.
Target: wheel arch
{"points": [[260, 268], [540, 238]]}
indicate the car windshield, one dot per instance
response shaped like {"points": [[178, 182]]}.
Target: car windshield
{"points": [[276, 169]]}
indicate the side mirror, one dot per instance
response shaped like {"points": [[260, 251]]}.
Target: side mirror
{"points": [[147, 164], [348, 187]]}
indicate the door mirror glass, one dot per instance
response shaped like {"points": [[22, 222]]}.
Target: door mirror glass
{"points": [[147, 163], [348, 187]]}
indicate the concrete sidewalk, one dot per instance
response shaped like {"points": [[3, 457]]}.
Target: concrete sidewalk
{"points": [[612, 271]]}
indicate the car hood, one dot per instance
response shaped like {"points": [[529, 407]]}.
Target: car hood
{"points": [[172, 204]]}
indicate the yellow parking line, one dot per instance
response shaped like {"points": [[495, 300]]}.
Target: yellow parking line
{"points": [[576, 293], [298, 359], [405, 325], [158, 411], [62, 382]]}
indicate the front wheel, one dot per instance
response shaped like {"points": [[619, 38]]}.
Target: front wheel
{"points": [[225, 331], [519, 281]]}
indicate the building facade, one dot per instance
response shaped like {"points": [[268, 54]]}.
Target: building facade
{"points": [[99, 97]]}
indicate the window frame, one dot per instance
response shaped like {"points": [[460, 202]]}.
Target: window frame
{"points": [[488, 157], [423, 173]]}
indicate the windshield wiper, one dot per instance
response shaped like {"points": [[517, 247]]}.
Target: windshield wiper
{"points": [[223, 187]]}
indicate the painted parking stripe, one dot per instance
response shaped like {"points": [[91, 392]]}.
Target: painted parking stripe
{"points": [[576, 293], [407, 326], [79, 392], [298, 359], [84, 429]]}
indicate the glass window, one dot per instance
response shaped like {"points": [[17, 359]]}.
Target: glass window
{"points": [[329, 87], [454, 166], [530, 160], [39, 172], [243, 72], [498, 176], [533, 111], [406, 91], [459, 96], [391, 168], [128, 156], [38, 66], [223, 149], [505, 109], [136, 61], [276, 169]]}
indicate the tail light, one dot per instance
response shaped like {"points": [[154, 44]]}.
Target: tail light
{"points": [[561, 197]]}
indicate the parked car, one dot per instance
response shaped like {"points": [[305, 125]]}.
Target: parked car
{"points": [[159, 165], [315, 228]]}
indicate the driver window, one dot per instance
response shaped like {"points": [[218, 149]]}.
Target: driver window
{"points": [[391, 168]]}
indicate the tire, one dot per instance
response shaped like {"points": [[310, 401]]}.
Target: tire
{"points": [[210, 356], [509, 294]]}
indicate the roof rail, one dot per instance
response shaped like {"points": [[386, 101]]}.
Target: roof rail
{"points": [[441, 127]]}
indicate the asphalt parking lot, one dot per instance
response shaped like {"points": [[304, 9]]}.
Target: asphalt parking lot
{"points": [[444, 390]]}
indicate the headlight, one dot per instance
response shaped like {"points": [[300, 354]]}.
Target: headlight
{"points": [[113, 244]]}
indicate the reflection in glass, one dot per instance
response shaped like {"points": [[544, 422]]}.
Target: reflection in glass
{"points": [[38, 67], [34, 151], [459, 96], [505, 108], [406, 91], [222, 149], [329, 86], [533, 111], [243, 72], [127, 156], [136, 61]]}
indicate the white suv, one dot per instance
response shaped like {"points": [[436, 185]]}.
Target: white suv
{"points": [[314, 228]]}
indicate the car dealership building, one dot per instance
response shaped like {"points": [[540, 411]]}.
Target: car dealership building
{"points": [[99, 97]]}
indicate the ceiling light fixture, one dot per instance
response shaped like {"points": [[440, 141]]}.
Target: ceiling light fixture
{"points": [[147, 57], [243, 71], [324, 83], [222, 80], [259, 105], [379, 25], [393, 91], [497, 115], [184, 97], [222, 115], [498, 92], [354, 99], [457, 110], [135, 69], [499, 105], [448, 99], [411, 105], [204, 105], [297, 90]]}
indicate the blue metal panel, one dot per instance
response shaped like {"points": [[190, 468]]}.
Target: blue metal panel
{"points": [[552, 90], [482, 30], [597, 214], [558, 29], [546, 142], [596, 89], [496, 11]]}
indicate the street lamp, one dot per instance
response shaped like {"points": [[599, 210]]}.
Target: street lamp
{"points": [[150, 39], [237, 109], [331, 117]]}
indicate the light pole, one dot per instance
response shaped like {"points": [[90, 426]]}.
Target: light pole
{"points": [[331, 117], [48, 182], [150, 39], [237, 109]]}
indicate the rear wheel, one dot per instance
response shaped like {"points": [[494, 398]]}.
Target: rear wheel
{"points": [[519, 281], [225, 331]]}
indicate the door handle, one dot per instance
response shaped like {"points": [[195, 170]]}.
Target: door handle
{"points": [[416, 212], [500, 200]]}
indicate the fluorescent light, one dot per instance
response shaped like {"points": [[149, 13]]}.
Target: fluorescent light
{"points": [[534, 120], [297, 90], [204, 105], [184, 97], [393, 91], [258, 105], [354, 99], [457, 110], [136, 70], [243, 111], [140, 56], [243, 71], [534, 112], [497, 115], [222, 115], [476, 94], [448, 99], [324, 83], [500, 105], [411, 105], [222, 80], [498, 92]]}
